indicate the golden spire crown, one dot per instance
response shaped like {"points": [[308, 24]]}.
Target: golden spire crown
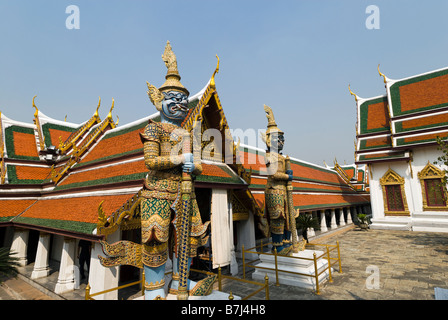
{"points": [[172, 76], [272, 126]]}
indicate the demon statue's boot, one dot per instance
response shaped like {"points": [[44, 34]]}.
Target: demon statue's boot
{"points": [[200, 288], [156, 288]]}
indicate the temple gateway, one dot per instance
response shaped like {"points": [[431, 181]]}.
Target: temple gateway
{"points": [[64, 183]]}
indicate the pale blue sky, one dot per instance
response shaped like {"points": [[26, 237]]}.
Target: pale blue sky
{"points": [[296, 56]]}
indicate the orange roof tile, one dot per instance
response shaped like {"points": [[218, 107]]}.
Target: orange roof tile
{"points": [[25, 144], [106, 172], [32, 173], [213, 170], [425, 93], [81, 209], [378, 116], [115, 145], [9, 208], [55, 134]]}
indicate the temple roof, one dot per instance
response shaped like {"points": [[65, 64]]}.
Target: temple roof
{"points": [[72, 179], [314, 187], [412, 113]]}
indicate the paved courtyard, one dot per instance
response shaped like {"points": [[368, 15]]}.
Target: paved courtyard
{"points": [[408, 266]]}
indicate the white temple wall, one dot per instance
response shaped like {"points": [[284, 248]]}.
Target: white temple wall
{"points": [[412, 187]]}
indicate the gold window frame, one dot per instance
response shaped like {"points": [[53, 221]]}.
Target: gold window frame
{"points": [[393, 178], [430, 171]]}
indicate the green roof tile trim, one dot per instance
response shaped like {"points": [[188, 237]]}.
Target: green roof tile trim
{"points": [[233, 179], [74, 226], [9, 141], [329, 205], [12, 177], [213, 179], [399, 126], [6, 219], [302, 189], [395, 93], [392, 156], [401, 141], [364, 111], [46, 132], [363, 143], [105, 181]]}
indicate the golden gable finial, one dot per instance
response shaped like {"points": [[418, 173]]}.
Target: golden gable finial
{"points": [[111, 108], [212, 81], [96, 111], [351, 92], [37, 110], [382, 74]]}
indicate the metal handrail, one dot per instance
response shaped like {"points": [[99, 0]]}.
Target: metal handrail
{"points": [[265, 286], [314, 259]]}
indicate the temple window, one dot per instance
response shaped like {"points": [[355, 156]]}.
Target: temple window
{"points": [[394, 195], [433, 191]]}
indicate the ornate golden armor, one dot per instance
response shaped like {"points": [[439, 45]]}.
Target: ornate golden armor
{"points": [[161, 193]]}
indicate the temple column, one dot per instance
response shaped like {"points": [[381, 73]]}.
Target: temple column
{"points": [[310, 231], [341, 217], [323, 222], [233, 262], [355, 215], [101, 278], [333, 224], [41, 264], [66, 279], [349, 215], [19, 245]]}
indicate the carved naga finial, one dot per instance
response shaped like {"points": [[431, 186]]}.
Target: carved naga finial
{"points": [[34, 106], [382, 74], [212, 81], [351, 92]]}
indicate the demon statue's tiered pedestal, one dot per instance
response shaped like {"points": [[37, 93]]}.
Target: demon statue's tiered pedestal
{"points": [[304, 269]]}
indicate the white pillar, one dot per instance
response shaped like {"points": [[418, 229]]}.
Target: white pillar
{"points": [[333, 224], [41, 264], [101, 278], [349, 215], [310, 231], [323, 222], [246, 236], [66, 279], [341, 217], [233, 262], [19, 245]]}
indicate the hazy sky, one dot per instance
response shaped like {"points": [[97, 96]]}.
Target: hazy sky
{"points": [[296, 56]]}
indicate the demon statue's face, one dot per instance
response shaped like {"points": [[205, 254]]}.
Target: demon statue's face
{"points": [[277, 141], [174, 107]]}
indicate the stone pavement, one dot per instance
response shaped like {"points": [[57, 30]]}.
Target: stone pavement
{"points": [[407, 265]]}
